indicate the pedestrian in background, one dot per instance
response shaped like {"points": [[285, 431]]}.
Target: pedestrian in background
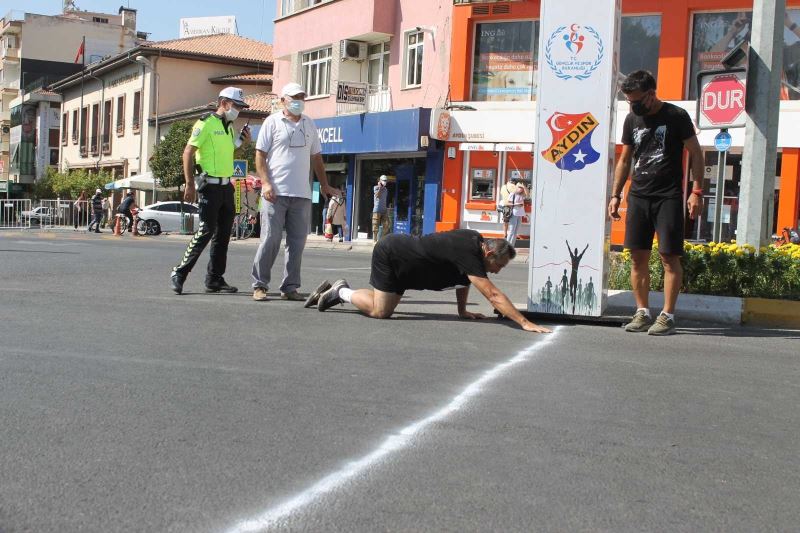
{"points": [[287, 148], [337, 208], [210, 150], [516, 204], [97, 211], [106, 205], [126, 209], [79, 207], [654, 136], [380, 215]]}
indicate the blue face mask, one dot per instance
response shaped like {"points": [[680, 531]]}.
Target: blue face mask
{"points": [[296, 107]]}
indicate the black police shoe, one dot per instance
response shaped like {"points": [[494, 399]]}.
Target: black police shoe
{"points": [[220, 286], [177, 282]]}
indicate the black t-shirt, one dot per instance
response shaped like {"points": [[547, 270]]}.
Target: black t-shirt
{"points": [[437, 261], [125, 206], [657, 142]]}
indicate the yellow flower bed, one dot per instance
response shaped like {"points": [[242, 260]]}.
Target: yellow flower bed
{"points": [[725, 268]]}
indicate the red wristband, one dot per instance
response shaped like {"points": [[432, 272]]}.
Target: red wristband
{"points": [[698, 192]]}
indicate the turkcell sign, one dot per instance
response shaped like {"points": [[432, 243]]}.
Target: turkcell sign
{"points": [[330, 135], [574, 153]]}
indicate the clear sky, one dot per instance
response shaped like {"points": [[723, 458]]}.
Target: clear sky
{"points": [[160, 17]]}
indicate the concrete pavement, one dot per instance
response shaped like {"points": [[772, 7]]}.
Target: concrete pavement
{"points": [[126, 408]]}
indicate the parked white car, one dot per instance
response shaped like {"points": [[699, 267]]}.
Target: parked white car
{"points": [[166, 216], [37, 215]]}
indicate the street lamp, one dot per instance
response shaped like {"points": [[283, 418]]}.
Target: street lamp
{"points": [[148, 65]]}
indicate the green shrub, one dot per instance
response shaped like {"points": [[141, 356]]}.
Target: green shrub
{"points": [[724, 269]]}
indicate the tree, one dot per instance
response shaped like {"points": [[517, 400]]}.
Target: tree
{"points": [[167, 160], [70, 185]]}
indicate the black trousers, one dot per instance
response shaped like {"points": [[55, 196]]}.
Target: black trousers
{"points": [[216, 219]]}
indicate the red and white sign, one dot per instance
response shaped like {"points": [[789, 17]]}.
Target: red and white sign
{"points": [[722, 100]]}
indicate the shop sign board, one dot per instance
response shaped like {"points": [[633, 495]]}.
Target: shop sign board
{"points": [[197, 26], [574, 155], [477, 147], [484, 125], [351, 92]]}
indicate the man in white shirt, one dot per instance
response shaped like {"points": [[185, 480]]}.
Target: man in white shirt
{"points": [[287, 147]]}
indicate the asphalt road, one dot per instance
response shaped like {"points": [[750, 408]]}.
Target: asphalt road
{"points": [[126, 408]]}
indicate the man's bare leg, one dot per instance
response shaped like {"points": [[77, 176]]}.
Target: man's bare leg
{"points": [[673, 279], [375, 303], [640, 277]]}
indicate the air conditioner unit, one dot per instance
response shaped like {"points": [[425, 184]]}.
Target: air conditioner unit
{"points": [[353, 50]]}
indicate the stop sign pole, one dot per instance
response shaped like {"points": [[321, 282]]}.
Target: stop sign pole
{"points": [[721, 105]]}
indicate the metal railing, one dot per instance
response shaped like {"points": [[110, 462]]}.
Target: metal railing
{"points": [[65, 214], [14, 214], [379, 98]]}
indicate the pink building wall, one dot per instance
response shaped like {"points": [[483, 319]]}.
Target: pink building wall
{"points": [[370, 21]]}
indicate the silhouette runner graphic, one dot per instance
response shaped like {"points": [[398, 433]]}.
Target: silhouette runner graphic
{"points": [[573, 280], [564, 289], [589, 298], [548, 287]]}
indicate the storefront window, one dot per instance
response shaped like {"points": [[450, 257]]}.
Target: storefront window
{"points": [[716, 34], [504, 66], [483, 183], [640, 38], [702, 228]]}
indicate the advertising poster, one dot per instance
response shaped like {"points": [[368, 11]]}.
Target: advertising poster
{"points": [[574, 157], [716, 34], [504, 61]]}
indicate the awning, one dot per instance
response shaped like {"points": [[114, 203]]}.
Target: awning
{"points": [[142, 182]]}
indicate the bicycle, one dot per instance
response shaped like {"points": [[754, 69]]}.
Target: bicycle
{"points": [[244, 223]]}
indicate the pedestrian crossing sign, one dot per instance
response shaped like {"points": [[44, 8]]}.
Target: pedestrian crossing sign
{"points": [[239, 168]]}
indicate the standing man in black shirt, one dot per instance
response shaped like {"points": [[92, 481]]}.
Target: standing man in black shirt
{"points": [[654, 136], [452, 259]]}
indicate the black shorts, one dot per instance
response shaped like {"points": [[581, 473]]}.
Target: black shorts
{"points": [[382, 276], [649, 216]]}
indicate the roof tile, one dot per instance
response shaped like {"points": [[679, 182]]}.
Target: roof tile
{"points": [[220, 45]]}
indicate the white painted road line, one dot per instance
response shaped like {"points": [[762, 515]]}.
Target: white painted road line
{"points": [[394, 443]]}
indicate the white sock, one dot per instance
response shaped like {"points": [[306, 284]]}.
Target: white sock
{"points": [[671, 316], [645, 310], [345, 294]]}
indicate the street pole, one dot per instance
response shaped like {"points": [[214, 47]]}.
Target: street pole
{"points": [[765, 59], [722, 158]]}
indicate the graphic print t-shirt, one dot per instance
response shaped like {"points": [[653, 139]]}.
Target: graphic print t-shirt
{"points": [[657, 142], [437, 261]]}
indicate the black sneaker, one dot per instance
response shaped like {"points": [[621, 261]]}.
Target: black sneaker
{"points": [[313, 298], [220, 286], [177, 283], [331, 297]]}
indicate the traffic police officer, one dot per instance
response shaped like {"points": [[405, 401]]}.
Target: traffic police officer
{"points": [[210, 151]]}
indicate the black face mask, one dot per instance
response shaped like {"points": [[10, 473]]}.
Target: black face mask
{"points": [[639, 108]]}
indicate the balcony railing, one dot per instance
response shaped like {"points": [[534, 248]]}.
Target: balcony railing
{"points": [[9, 53], [379, 99]]}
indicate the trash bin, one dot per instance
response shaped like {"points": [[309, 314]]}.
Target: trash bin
{"points": [[187, 224]]}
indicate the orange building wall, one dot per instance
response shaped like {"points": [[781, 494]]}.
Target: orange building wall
{"points": [[672, 85]]}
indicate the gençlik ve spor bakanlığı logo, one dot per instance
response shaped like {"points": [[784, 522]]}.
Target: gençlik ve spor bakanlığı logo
{"points": [[574, 52]]}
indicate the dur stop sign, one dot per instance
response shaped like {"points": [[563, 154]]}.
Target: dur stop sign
{"points": [[721, 102]]}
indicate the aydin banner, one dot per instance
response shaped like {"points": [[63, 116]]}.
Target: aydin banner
{"points": [[579, 43]]}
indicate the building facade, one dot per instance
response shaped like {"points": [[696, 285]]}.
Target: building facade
{"points": [[114, 112], [29, 61], [396, 53], [490, 134]]}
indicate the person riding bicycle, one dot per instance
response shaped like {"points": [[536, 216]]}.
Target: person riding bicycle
{"points": [[126, 207]]}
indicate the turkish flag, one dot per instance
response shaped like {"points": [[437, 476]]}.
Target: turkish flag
{"points": [[81, 51]]}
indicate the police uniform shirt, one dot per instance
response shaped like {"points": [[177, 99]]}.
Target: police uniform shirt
{"points": [[289, 146], [214, 143]]}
